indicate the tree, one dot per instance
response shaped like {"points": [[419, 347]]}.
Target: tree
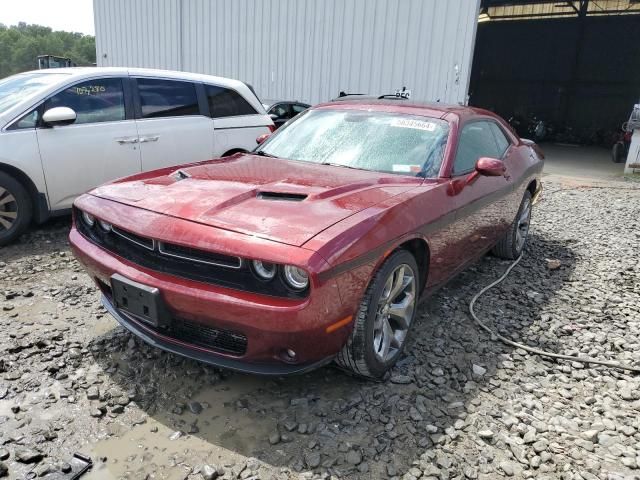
{"points": [[21, 44]]}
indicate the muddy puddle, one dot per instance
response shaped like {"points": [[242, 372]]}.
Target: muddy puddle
{"points": [[226, 434]]}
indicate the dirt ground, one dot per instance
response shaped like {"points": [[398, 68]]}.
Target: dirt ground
{"points": [[458, 405]]}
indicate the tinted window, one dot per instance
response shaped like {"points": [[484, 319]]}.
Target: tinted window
{"points": [[280, 110], [224, 102], [167, 98], [501, 139], [94, 101], [30, 120], [476, 140], [298, 108]]}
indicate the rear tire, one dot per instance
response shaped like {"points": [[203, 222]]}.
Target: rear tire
{"points": [[15, 209], [383, 322], [512, 244], [618, 153]]}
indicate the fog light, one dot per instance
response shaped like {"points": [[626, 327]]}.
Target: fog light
{"points": [[291, 354]]}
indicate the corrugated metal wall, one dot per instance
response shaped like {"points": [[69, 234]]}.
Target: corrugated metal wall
{"points": [[299, 49]]}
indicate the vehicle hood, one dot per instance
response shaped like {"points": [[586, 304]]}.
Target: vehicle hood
{"points": [[281, 200]]}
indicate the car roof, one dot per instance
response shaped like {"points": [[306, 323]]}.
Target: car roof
{"points": [[270, 103], [408, 107], [82, 72]]}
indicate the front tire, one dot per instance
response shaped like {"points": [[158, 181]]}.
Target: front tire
{"points": [[383, 321], [512, 244], [15, 209]]}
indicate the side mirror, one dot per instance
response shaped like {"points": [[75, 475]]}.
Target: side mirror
{"points": [[273, 116], [261, 139], [490, 167], [58, 116]]}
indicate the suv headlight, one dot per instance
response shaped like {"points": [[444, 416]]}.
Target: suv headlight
{"points": [[296, 278]]}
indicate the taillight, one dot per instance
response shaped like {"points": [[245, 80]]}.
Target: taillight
{"points": [[272, 128]]}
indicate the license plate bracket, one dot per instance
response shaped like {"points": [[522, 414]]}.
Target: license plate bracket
{"points": [[141, 301]]}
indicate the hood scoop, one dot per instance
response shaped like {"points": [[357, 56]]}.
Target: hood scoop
{"points": [[282, 196]]}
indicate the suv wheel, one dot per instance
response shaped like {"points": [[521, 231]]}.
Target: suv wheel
{"points": [[384, 319], [15, 209]]}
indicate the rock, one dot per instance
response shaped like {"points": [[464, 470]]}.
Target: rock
{"points": [[485, 434], [274, 438], [553, 264], [401, 379], [28, 455], [354, 457], [478, 370], [4, 454], [93, 393], [590, 435], [4, 470], [195, 407], [176, 435], [211, 472], [312, 459]]}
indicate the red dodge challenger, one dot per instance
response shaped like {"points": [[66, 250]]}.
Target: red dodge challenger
{"points": [[316, 247]]}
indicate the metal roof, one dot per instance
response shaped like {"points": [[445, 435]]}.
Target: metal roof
{"points": [[528, 9]]}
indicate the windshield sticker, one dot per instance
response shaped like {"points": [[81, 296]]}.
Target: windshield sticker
{"points": [[406, 168], [415, 124]]}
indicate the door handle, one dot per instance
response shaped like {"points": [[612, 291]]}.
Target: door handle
{"points": [[152, 138], [124, 141]]}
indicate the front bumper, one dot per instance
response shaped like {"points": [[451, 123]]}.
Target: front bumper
{"points": [[271, 325], [201, 355]]}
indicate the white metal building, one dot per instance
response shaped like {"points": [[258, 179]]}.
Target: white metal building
{"points": [[306, 50]]}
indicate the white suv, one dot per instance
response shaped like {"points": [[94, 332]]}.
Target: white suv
{"points": [[65, 131]]}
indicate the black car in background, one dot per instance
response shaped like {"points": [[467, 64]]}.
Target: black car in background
{"points": [[281, 111]]}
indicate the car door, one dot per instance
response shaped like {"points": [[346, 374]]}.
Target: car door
{"points": [[480, 201], [101, 145], [280, 113], [172, 127]]}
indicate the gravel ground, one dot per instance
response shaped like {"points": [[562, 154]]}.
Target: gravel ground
{"points": [[459, 405]]}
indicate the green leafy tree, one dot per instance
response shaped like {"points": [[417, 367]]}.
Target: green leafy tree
{"points": [[21, 44]]}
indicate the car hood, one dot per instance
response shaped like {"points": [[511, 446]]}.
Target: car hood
{"points": [[281, 200]]}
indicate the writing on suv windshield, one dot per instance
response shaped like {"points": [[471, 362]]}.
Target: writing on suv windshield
{"points": [[368, 140]]}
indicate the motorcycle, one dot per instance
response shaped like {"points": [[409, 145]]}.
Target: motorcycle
{"points": [[620, 148]]}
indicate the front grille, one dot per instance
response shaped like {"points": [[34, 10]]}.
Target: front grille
{"points": [[185, 262], [208, 337], [214, 339], [199, 256]]}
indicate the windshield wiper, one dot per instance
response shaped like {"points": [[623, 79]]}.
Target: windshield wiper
{"points": [[334, 164], [262, 153]]}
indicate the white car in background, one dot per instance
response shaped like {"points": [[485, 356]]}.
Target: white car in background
{"points": [[65, 131]]}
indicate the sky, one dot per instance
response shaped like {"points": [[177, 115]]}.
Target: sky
{"points": [[68, 15]]}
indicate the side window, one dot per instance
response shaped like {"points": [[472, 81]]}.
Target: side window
{"points": [[30, 120], [476, 140], [94, 101], [501, 139], [167, 98], [224, 102], [298, 108], [281, 111]]}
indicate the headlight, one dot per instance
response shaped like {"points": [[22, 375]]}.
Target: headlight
{"points": [[106, 226], [264, 270], [89, 219], [296, 277]]}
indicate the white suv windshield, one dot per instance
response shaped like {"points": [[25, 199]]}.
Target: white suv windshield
{"points": [[16, 88], [368, 140]]}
